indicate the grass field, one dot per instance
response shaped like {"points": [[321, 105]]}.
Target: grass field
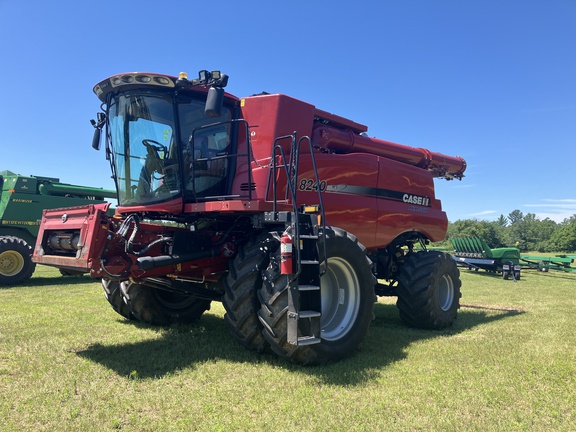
{"points": [[68, 362]]}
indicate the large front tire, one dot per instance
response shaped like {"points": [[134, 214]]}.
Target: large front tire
{"points": [[114, 295], [429, 290], [347, 290], [159, 307], [16, 264], [241, 287]]}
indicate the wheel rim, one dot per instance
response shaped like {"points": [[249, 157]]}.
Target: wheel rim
{"points": [[340, 290], [11, 263], [445, 293]]}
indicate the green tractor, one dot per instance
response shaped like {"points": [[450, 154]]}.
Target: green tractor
{"points": [[22, 200]]}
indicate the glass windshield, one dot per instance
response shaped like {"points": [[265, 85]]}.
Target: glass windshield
{"points": [[151, 158], [141, 131]]}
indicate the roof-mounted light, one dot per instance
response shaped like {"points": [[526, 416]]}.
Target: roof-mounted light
{"points": [[212, 79], [162, 80], [144, 79], [138, 78], [131, 79]]}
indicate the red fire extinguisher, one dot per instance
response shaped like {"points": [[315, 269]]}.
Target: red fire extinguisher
{"points": [[286, 254]]}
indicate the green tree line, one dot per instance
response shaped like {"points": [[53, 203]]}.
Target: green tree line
{"points": [[524, 231]]}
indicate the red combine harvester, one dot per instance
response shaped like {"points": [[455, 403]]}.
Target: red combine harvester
{"points": [[291, 216]]}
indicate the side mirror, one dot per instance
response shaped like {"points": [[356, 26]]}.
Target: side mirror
{"points": [[98, 125], [96, 139], [214, 102]]}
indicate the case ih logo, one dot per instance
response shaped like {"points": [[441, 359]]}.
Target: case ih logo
{"points": [[416, 199], [392, 195]]}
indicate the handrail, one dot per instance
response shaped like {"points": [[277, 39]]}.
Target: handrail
{"points": [[291, 170]]}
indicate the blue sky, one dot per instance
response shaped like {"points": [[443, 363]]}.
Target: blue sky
{"points": [[493, 81]]}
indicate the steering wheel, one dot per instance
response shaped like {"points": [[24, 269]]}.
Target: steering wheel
{"points": [[153, 159], [154, 145]]}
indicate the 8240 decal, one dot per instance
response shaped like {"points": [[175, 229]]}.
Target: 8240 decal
{"points": [[311, 185]]}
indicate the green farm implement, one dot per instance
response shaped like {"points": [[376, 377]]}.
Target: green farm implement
{"points": [[544, 264], [474, 253], [22, 200]]}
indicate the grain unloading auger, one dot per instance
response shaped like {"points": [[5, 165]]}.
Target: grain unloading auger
{"points": [[291, 216]]}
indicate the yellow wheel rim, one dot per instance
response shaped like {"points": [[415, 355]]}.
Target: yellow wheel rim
{"points": [[11, 263]]}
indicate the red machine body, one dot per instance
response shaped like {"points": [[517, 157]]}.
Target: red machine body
{"points": [[220, 198], [375, 189]]}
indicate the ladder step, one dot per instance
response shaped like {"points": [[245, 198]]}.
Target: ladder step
{"points": [[308, 340], [310, 262], [309, 314], [308, 287], [306, 236]]}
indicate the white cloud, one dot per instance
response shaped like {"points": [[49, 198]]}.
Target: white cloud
{"points": [[568, 203], [483, 213], [555, 209]]}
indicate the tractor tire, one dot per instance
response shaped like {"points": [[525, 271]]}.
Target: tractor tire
{"points": [[159, 307], [429, 290], [114, 295], [348, 296], [241, 287], [16, 264]]}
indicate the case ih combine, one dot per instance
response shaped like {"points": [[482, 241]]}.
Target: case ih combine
{"points": [[291, 216]]}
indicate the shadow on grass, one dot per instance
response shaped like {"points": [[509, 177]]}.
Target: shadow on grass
{"points": [[44, 281], [186, 346], [552, 274], [483, 273]]}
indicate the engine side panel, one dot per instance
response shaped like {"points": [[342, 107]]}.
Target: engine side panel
{"points": [[410, 203], [374, 198]]}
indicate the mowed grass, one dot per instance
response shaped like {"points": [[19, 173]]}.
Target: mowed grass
{"points": [[68, 362]]}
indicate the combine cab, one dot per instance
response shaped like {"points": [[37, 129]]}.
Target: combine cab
{"points": [[291, 216]]}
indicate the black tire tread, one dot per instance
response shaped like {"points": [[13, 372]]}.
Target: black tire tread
{"points": [[20, 246], [274, 307], [241, 286], [145, 304], [114, 296], [416, 290]]}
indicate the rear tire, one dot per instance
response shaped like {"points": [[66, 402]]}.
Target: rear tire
{"points": [[160, 307], [429, 290], [347, 290], [114, 295], [16, 264], [241, 287]]}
